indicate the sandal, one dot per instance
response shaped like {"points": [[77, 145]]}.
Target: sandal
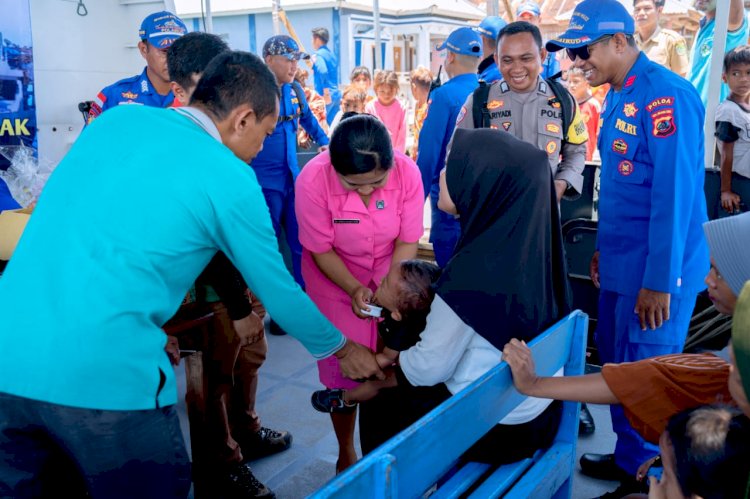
{"points": [[331, 400]]}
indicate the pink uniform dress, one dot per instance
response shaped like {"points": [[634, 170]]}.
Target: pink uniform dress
{"points": [[331, 217]]}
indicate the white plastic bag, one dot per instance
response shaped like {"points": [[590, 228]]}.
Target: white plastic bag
{"points": [[26, 175]]}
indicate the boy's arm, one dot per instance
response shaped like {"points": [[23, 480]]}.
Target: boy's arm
{"points": [[590, 388], [730, 201], [726, 135], [386, 358]]}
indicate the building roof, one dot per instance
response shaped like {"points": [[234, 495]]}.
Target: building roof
{"points": [[562, 9], [677, 14], [671, 8], [458, 9]]}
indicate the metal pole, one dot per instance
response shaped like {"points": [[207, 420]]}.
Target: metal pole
{"points": [[378, 49], [209, 18], [293, 34], [714, 78], [493, 8], [509, 10], [275, 17]]}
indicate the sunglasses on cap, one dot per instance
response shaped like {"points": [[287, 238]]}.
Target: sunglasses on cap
{"points": [[582, 53]]}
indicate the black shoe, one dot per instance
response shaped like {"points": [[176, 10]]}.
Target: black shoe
{"points": [[240, 483], [264, 443], [627, 487], [586, 425], [603, 467], [275, 329]]}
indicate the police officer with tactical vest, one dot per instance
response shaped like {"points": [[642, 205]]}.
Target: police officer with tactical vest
{"points": [[652, 255], [276, 165], [537, 111]]}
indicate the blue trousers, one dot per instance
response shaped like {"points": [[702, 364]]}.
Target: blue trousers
{"points": [[47, 450], [619, 339], [444, 232], [281, 206]]}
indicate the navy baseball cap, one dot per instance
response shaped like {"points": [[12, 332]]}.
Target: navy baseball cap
{"points": [[491, 26], [283, 45], [463, 41], [161, 29], [591, 20], [528, 8]]}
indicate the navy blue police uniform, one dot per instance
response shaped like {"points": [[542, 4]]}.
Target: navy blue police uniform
{"points": [[651, 207], [276, 165], [445, 106]]}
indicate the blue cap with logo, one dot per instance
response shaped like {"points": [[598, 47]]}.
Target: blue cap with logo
{"points": [[161, 29], [491, 26], [283, 45], [528, 8], [463, 41], [591, 20]]}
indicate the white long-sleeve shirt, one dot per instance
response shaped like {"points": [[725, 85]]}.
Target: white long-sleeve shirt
{"points": [[450, 351]]}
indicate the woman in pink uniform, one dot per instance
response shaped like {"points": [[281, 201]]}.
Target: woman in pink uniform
{"points": [[359, 207]]}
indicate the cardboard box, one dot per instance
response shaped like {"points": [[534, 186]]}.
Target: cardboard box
{"points": [[12, 223]]}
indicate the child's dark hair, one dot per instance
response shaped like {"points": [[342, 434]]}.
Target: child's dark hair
{"points": [[360, 71], [738, 55], [657, 3], [416, 291], [712, 451]]}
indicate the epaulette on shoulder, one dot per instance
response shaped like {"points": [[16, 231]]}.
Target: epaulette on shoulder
{"points": [[125, 81]]}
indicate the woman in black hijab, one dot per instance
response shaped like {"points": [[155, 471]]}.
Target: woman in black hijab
{"points": [[507, 279]]}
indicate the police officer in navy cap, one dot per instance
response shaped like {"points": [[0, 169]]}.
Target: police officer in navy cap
{"points": [[651, 253], [531, 13], [152, 87], [489, 28], [464, 47], [276, 165]]}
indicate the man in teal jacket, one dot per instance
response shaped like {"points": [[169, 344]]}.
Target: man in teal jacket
{"points": [[85, 383]]}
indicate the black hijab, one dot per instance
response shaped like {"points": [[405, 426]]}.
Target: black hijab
{"points": [[507, 278]]}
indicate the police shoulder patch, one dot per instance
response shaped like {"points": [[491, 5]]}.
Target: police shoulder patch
{"points": [[680, 47], [461, 115], [660, 102], [663, 123], [662, 115]]}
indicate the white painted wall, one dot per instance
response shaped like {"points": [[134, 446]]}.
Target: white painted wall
{"points": [[234, 29], [75, 57]]}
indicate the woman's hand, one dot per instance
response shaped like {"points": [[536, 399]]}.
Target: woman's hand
{"points": [[361, 298], [518, 356], [656, 488]]}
